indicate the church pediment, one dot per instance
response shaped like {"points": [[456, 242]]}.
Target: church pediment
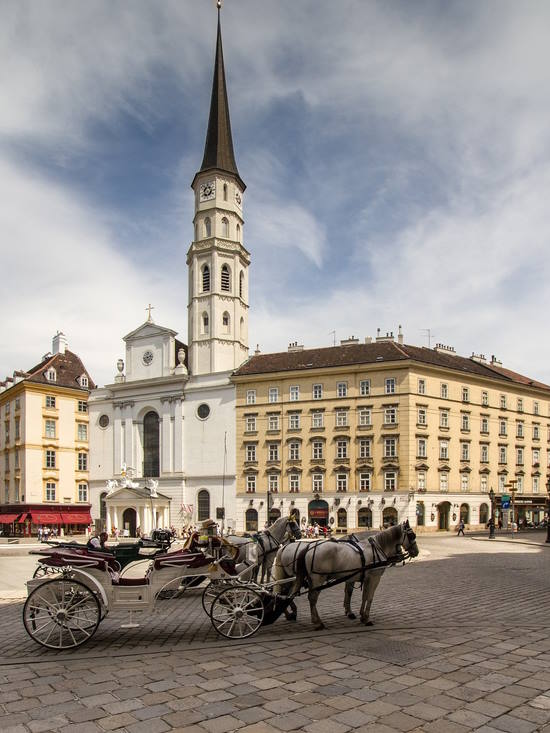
{"points": [[125, 493], [148, 330]]}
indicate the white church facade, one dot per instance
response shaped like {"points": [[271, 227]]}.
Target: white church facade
{"points": [[164, 430]]}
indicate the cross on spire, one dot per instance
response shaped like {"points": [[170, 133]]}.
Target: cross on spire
{"points": [[149, 317]]}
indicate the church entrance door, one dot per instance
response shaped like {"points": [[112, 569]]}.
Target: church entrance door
{"points": [[129, 521]]}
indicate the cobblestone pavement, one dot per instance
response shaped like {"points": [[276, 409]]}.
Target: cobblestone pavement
{"points": [[460, 643]]}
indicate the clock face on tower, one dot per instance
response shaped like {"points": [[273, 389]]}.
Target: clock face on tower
{"points": [[207, 190]]}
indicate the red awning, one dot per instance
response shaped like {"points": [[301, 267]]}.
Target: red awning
{"points": [[8, 518], [76, 517], [43, 517], [22, 518]]}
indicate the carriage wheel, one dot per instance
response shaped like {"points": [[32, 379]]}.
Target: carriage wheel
{"points": [[237, 613], [43, 570], [61, 614], [210, 592]]}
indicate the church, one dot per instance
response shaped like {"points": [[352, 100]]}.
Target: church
{"points": [[163, 433]]}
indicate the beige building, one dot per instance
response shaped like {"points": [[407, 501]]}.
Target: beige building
{"points": [[364, 435], [44, 445]]}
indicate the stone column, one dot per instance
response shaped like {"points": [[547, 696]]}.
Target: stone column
{"points": [[117, 434], [128, 429], [178, 435], [166, 438], [109, 524]]}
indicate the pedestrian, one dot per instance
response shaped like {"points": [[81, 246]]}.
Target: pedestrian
{"points": [[40, 534], [461, 526], [97, 542]]}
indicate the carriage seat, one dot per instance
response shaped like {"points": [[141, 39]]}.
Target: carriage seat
{"points": [[182, 557], [130, 581]]}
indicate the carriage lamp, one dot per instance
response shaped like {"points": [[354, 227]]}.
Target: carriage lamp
{"points": [[548, 508], [492, 520]]}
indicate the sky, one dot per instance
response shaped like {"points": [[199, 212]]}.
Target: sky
{"points": [[396, 156]]}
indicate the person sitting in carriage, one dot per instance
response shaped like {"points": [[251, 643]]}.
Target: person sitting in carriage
{"points": [[97, 542]]}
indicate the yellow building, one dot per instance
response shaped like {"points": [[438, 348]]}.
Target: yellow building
{"points": [[364, 435], [44, 445]]}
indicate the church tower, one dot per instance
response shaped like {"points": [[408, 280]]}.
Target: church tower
{"points": [[217, 260]]}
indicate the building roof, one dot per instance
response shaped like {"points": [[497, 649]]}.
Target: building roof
{"points": [[376, 353], [68, 366], [218, 149]]}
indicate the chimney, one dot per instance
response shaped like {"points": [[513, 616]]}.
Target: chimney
{"points": [[495, 361], [387, 337], [257, 351], [349, 341], [442, 349], [480, 358], [59, 343], [295, 346], [400, 335], [368, 339]]}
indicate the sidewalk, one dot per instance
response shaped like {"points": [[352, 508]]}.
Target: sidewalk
{"points": [[523, 537]]}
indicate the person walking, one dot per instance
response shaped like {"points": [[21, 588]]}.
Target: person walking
{"points": [[461, 526]]}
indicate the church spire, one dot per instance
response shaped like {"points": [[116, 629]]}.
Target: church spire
{"points": [[218, 149]]}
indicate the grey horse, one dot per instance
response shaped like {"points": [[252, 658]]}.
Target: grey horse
{"points": [[345, 560]]}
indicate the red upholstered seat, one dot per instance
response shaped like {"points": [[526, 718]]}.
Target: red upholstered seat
{"points": [[131, 581]]}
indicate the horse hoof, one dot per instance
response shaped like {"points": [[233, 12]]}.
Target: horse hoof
{"points": [[292, 617], [352, 616], [368, 623], [319, 627]]}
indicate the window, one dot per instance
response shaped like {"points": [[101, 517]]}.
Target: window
{"points": [[226, 278], [365, 417], [389, 385], [7, 431], [483, 483], [364, 448], [238, 234], [225, 322], [444, 419], [17, 489], [51, 376], [16, 465], [501, 482], [390, 447], [502, 401], [273, 394], [205, 323], [17, 428], [465, 394], [364, 482], [422, 416], [294, 451], [295, 393], [520, 404], [484, 453], [421, 386], [294, 483], [251, 397], [548, 458], [536, 432], [225, 227], [317, 391], [205, 279], [464, 482], [421, 481], [82, 431], [7, 409], [82, 492], [151, 443], [342, 389], [317, 420], [207, 227], [251, 452], [273, 452], [502, 427], [50, 459], [364, 387], [82, 461], [341, 449], [519, 456], [225, 191], [444, 481], [50, 401], [251, 520], [536, 408], [341, 418], [536, 484], [241, 276], [444, 390], [390, 481], [317, 451], [341, 482], [50, 491], [519, 430], [273, 482], [464, 451], [17, 403], [502, 454], [50, 429], [390, 416], [421, 448], [465, 422], [250, 484], [536, 457], [443, 450], [317, 482], [273, 422], [294, 421], [82, 406], [484, 425], [485, 399], [83, 381], [519, 484]]}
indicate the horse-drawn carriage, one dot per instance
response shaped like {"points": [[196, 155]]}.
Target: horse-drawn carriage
{"points": [[64, 610]]}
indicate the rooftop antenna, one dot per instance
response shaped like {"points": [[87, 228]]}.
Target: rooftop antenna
{"points": [[333, 337], [428, 332]]}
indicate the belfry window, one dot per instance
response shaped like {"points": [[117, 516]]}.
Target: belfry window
{"points": [[205, 322], [205, 279], [225, 278], [238, 232], [225, 227], [225, 191], [207, 227], [225, 322], [241, 284]]}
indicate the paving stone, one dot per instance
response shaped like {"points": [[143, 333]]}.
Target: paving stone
{"points": [[223, 724], [327, 726], [353, 718], [115, 722], [469, 718], [291, 721], [153, 725], [511, 724], [39, 726], [400, 721]]}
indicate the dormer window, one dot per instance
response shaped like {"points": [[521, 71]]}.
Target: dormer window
{"points": [[83, 381], [51, 375]]}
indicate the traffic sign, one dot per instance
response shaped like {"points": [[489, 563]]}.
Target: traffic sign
{"points": [[505, 504], [506, 497]]}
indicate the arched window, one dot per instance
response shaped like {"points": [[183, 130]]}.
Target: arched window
{"points": [[364, 517], [207, 227], [225, 191], [238, 232], [483, 514], [465, 513], [203, 505], [205, 279], [151, 445], [241, 285], [342, 519], [225, 227], [389, 517], [226, 278], [103, 507], [205, 323], [242, 329], [420, 514], [251, 520], [226, 322]]}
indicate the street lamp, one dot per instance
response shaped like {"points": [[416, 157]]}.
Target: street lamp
{"points": [[492, 520], [548, 509], [268, 502], [512, 488]]}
